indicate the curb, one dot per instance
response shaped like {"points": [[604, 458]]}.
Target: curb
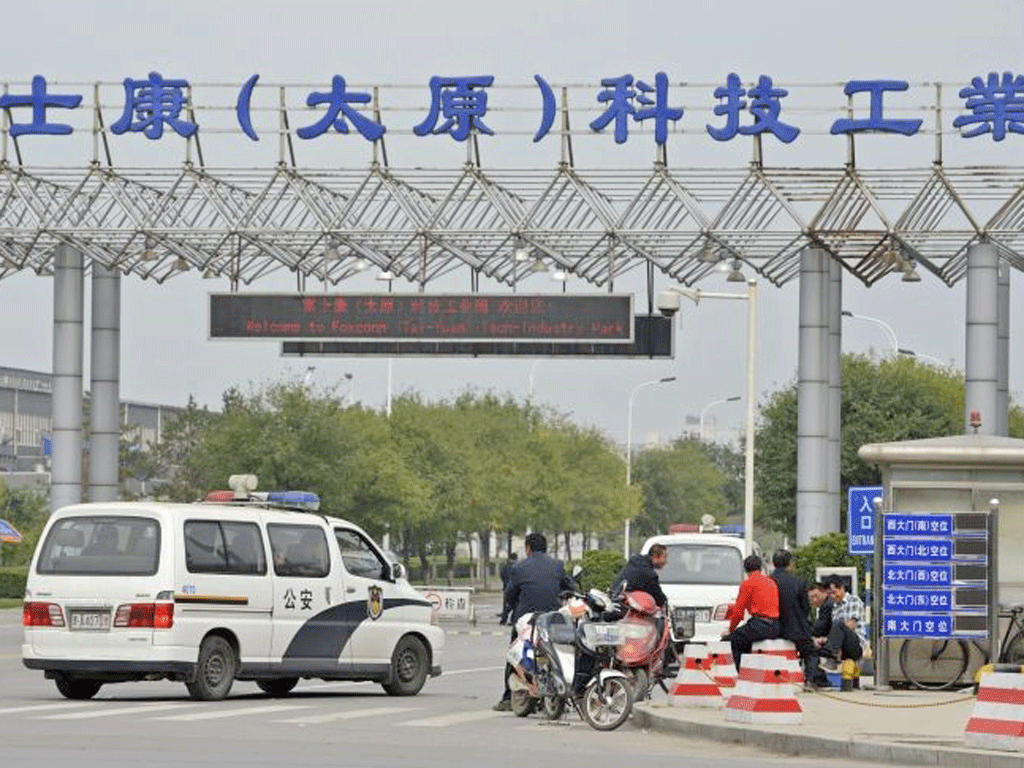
{"points": [[805, 745]]}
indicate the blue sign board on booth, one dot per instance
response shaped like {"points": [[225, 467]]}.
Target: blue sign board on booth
{"points": [[918, 599], [918, 625], [930, 550], [860, 514], [917, 575], [900, 525]]}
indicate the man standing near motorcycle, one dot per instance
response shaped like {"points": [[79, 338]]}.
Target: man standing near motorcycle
{"points": [[759, 596], [641, 574], [533, 586]]}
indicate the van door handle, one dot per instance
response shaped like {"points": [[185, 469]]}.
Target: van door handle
{"points": [[350, 590]]}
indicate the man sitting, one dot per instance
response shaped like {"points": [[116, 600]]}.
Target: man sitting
{"points": [[759, 596], [641, 574], [847, 637], [818, 597]]}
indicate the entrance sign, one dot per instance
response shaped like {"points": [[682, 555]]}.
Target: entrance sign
{"points": [[601, 318], [860, 516]]}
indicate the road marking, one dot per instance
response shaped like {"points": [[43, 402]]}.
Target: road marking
{"points": [[233, 712], [104, 712], [40, 707], [351, 714], [470, 671], [457, 719]]}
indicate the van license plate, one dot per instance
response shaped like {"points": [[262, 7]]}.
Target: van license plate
{"points": [[89, 620], [703, 615]]}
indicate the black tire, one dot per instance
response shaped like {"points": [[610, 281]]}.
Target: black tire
{"points": [[408, 667], [523, 704], [934, 665], [280, 686], [1014, 651], [605, 706], [79, 690], [215, 671], [553, 707]]}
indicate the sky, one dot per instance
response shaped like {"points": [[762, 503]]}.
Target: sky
{"points": [[166, 354]]}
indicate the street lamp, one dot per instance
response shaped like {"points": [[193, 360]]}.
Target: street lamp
{"points": [[529, 381], [927, 358], [348, 390], [668, 303], [881, 324], [629, 448], [711, 405]]}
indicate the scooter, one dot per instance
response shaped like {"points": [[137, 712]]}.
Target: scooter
{"points": [[572, 654], [642, 657]]}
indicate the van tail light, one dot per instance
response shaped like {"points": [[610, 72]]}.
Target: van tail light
{"points": [[36, 614], [155, 615], [721, 612]]}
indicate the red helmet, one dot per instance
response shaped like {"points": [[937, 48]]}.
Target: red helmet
{"points": [[640, 602]]}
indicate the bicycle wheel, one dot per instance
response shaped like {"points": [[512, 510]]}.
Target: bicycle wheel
{"points": [[933, 665], [1013, 651]]}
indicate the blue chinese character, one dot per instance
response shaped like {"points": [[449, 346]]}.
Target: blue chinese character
{"points": [[460, 102], [876, 122], [548, 115], [338, 110], [620, 96], [154, 102], [764, 106], [242, 108], [39, 101], [996, 106]]}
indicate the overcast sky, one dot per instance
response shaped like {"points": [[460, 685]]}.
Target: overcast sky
{"points": [[166, 355]]}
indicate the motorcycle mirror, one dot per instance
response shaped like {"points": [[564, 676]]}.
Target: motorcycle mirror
{"points": [[577, 570]]}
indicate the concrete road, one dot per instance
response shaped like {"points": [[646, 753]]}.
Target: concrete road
{"points": [[449, 724]]}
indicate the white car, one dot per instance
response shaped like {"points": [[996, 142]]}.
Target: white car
{"points": [[701, 577], [249, 588]]}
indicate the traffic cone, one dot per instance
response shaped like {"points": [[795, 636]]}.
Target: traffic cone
{"points": [[784, 649], [694, 685], [723, 668], [997, 721], [764, 693]]}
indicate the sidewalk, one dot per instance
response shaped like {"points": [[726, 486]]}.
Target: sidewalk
{"points": [[901, 727]]}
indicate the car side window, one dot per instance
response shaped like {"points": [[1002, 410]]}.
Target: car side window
{"points": [[299, 550], [213, 546], [359, 557], [204, 547]]}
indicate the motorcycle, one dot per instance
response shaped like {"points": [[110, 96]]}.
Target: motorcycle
{"points": [[571, 664], [642, 656]]}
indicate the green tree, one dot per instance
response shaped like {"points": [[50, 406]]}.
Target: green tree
{"points": [[830, 549], [28, 512], [883, 401]]}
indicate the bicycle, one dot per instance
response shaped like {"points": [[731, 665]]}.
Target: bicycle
{"points": [[937, 665]]}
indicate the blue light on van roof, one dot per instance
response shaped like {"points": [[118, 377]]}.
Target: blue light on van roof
{"points": [[733, 530], [299, 499]]}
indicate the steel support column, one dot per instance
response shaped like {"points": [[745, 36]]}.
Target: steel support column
{"points": [[104, 413], [66, 463], [814, 515], [982, 337], [1003, 352], [835, 382]]}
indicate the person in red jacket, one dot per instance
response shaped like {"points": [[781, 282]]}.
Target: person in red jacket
{"points": [[759, 596]]}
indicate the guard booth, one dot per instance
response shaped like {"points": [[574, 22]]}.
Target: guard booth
{"points": [[945, 559]]}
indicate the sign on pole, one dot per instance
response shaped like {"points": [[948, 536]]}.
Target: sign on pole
{"points": [[860, 518]]}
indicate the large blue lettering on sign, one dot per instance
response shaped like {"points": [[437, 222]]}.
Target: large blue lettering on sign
{"points": [[911, 625], [902, 526], [917, 575], [994, 106], [918, 549], [860, 516], [918, 599]]}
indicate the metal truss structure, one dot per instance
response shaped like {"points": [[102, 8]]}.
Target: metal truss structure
{"points": [[418, 224]]}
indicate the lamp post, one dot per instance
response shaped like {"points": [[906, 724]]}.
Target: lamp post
{"points": [[629, 448], [668, 301], [881, 324], [709, 406], [927, 358], [348, 389], [529, 381]]}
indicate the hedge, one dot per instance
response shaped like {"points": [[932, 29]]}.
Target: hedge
{"points": [[12, 582]]}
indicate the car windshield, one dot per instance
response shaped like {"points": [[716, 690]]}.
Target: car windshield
{"points": [[101, 546], [702, 564]]}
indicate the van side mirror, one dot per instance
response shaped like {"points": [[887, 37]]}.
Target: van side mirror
{"points": [[397, 571]]}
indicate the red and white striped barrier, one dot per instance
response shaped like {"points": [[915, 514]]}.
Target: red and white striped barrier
{"points": [[723, 668], [764, 693], [997, 721], [694, 685], [784, 649]]}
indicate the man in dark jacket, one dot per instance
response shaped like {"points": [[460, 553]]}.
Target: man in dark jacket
{"points": [[533, 587], [794, 609], [818, 597], [505, 573], [641, 574]]}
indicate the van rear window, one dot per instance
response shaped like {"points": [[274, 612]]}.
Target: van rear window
{"points": [[101, 546], [702, 564]]}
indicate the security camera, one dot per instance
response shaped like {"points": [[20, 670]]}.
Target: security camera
{"points": [[668, 303]]}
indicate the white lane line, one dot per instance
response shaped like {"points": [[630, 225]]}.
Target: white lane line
{"points": [[351, 714], [138, 709], [232, 712], [40, 707], [469, 671], [445, 720]]}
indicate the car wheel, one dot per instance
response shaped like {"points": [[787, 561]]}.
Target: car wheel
{"points": [[215, 671], [408, 667], [280, 686], [71, 688]]}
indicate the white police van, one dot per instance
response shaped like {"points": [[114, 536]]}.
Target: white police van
{"points": [[244, 586], [701, 578]]}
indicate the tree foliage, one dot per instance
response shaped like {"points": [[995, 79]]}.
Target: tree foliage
{"points": [[830, 550], [27, 511], [882, 401]]}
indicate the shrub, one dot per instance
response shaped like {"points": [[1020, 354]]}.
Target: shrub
{"points": [[828, 550], [600, 567], [12, 582]]}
